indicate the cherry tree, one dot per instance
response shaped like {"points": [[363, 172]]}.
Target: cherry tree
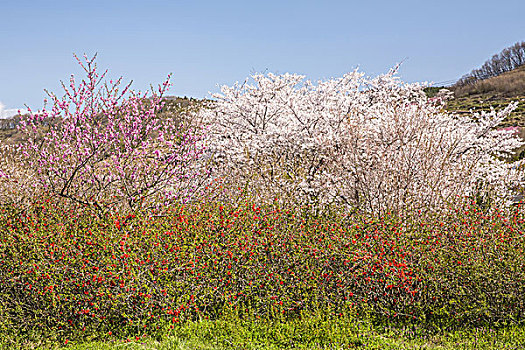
{"points": [[104, 145], [370, 144]]}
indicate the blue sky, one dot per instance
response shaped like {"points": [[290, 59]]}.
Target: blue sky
{"points": [[210, 43]]}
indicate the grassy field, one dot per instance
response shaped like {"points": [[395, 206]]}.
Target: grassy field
{"points": [[309, 333]]}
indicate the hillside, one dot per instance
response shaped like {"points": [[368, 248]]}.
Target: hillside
{"points": [[508, 84], [174, 107], [498, 82], [495, 92], [509, 59]]}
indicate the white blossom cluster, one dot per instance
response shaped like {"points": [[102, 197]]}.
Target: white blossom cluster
{"points": [[18, 183], [370, 144]]}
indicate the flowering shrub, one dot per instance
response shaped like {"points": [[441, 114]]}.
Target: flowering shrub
{"points": [[70, 272], [375, 145], [105, 146]]}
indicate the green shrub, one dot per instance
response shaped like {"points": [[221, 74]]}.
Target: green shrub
{"points": [[73, 273]]}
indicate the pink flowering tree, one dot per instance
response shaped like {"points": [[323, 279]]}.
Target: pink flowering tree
{"points": [[369, 144], [104, 145]]}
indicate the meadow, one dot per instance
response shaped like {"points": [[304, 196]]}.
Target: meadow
{"points": [[351, 213]]}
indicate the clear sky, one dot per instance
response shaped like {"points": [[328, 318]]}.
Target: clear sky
{"points": [[210, 43]]}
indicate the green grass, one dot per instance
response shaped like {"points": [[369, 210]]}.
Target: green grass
{"points": [[312, 332]]}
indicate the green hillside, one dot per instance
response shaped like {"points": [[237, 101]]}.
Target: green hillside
{"points": [[495, 92], [484, 102]]}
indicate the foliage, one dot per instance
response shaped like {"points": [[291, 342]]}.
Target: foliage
{"points": [[371, 145], [433, 91], [72, 273]]}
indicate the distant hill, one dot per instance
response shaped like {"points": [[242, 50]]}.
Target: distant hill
{"points": [[8, 130], [496, 92], [507, 60], [174, 107], [508, 84], [498, 82], [493, 92]]}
